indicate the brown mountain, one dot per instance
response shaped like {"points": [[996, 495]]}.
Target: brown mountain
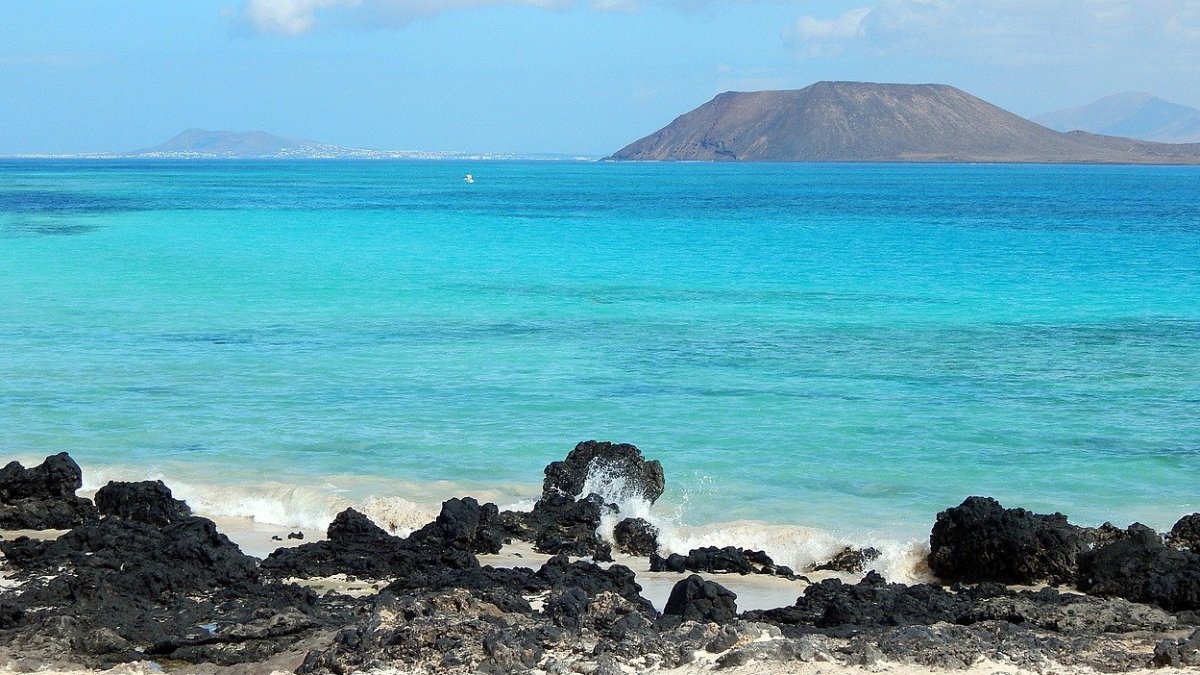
{"points": [[865, 122]]}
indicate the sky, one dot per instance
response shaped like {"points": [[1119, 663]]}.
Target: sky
{"points": [[555, 76]]}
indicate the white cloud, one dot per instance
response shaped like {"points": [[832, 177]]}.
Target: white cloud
{"points": [[847, 25], [297, 17], [1012, 32], [622, 6], [288, 17]]}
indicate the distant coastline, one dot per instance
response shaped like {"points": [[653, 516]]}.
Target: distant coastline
{"points": [[203, 144], [370, 155]]}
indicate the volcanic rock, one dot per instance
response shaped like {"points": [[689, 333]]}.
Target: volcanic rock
{"points": [[464, 524], [445, 631], [358, 547], [1178, 653], [1142, 568], [122, 589], [147, 501], [980, 540], [714, 560], [618, 471], [564, 525], [695, 599], [636, 536], [874, 122], [43, 497], [1186, 533], [843, 609], [849, 559]]}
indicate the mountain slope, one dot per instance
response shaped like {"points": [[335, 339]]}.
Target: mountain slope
{"points": [[1132, 114], [863, 122], [235, 144]]}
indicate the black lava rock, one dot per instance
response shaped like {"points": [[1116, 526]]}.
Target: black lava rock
{"points": [[714, 560], [608, 463], [564, 525], [849, 559], [1178, 653], [1142, 568], [357, 546], [980, 540], [695, 599], [43, 497], [1186, 533], [636, 536], [146, 501], [465, 525]]}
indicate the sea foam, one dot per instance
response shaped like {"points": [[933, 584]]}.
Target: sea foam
{"points": [[313, 507]]}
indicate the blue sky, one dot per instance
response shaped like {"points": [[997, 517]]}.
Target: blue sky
{"points": [[572, 76]]}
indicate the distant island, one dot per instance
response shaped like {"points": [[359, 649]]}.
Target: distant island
{"points": [[867, 122], [1132, 114], [205, 144]]}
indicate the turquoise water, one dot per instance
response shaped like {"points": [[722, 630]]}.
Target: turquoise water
{"points": [[847, 347]]}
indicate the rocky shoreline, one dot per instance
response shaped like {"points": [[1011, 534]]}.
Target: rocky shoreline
{"points": [[136, 578]]}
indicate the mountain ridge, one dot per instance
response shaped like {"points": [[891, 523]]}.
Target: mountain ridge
{"points": [[237, 144], [1138, 115], [872, 122]]}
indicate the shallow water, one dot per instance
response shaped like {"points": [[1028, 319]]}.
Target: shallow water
{"points": [[850, 348]]}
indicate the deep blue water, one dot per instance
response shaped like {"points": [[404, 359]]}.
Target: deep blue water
{"points": [[849, 347]]}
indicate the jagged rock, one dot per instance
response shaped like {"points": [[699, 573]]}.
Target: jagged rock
{"points": [[980, 540], [636, 536], [146, 501], [561, 523], [466, 525], [956, 647], [132, 558], [843, 609], [1142, 568], [559, 572], [714, 560], [871, 602], [1186, 533], [121, 589], [357, 546], [849, 559], [504, 587], [780, 651], [43, 497], [1104, 535], [739, 634], [608, 464], [1067, 613], [565, 525], [447, 631], [695, 599], [1178, 653]]}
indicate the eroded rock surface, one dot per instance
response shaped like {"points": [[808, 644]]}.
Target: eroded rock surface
{"points": [[1142, 568], [146, 501], [637, 537], [620, 466], [849, 559], [723, 560], [43, 497], [980, 541]]}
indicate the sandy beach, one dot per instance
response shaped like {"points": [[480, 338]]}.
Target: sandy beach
{"points": [[142, 584]]}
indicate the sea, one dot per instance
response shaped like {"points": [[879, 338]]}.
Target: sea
{"points": [[818, 354]]}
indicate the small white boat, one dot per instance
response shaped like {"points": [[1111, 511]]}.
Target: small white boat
{"points": [[468, 178]]}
